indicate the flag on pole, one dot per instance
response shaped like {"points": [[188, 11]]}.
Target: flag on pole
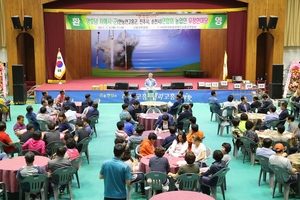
{"points": [[225, 70], [60, 67]]}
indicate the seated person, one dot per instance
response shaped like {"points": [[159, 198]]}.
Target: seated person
{"points": [[236, 132], [90, 103], [30, 115], [185, 114], [93, 111], [29, 170], [51, 107], [296, 99], [244, 106], [195, 131], [120, 140], [266, 103], [85, 102], [292, 125], [137, 138], [296, 135], [170, 138], [4, 138], [129, 128], [63, 124], [80, 134], [86, 125], [126, 97], [164, 124], [147, 147], [251, 134], [36, 143], [27, 135], [132, 110], [44, 105], [133, 99], [164, 111], [45, 94], [70, 114], [199, 149], [270, 117], [52, 136], [228, 103], [226, 148], [242, 124], [213, 100], [173, 109], [120, 131], [214, 168], [265, 150], [255, 102], [72, 152], [192, 121], [44, 116], [69, 103], [19, 127], [279, 137], [284, 112], [190, 108], [60, 99], [124, 113], [189, 168], [179, 145]]}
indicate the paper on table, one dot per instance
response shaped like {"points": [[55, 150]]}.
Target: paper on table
{"points": [[181, 162], [175, 154], [159, 137], [264, 136], [289, 136]]}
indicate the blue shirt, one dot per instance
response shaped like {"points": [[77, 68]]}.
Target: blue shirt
{"points": [[270, 117], [92, 112], [115, 174], [169, 139], [150, 83], [126, 100], [159, 119], [129, 128], [88, 129], [64, 126], [214, 100], [265, 152], [32, 117]]}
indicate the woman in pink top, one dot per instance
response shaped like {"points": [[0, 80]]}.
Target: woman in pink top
{"points": [[35, 143], [72, 151]]}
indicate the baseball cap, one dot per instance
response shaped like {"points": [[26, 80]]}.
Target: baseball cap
{"points": [[278, 147]]}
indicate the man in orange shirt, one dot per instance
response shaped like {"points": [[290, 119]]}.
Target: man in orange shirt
{"points": [[194, 130], [147, 147], [4, 138]]}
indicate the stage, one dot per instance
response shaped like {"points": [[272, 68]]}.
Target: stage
{"points": [[77, 89]]}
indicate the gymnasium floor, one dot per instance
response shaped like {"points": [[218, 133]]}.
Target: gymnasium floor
{"points": [[242, 179]]}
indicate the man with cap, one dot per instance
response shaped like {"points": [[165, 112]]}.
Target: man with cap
{"points": [[280, 160]]}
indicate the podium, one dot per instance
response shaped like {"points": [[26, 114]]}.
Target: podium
{"points": [[151, 93]]}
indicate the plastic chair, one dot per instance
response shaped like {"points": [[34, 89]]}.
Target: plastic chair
{"points": [[188, 182], [186, 124], [97, 101], [285, 144], [230, 110], [248, 146], [137, 150], [37, 184], [3, 191], [156, 180], [221, 177], [53, 146], [33, 151], [43, 125], [222, 122], [133, 145], [208, 154], [83, 107], [212, 108], [224, 182], [255, 109], [153, 110], [29, 121], [73, 124], [264, 164], [168, 145], [280, 173], [75, 164], [273, 123], [8, 154], [93, 120], [85, 148], [62, 176], [235, 147], [292, 106], [4, 113], [130, 186]]}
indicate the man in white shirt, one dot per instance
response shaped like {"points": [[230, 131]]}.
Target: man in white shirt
{"points": [[70, 114], [44, 104], [51, 107], [43, 115], [228, 103], [265, 150]]}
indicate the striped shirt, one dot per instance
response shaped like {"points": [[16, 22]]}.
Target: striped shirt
{"points": [[120, 133]]}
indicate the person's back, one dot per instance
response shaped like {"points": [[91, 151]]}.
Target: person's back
{"points": [[280, 137], [81, 133], [137, 138], [189, 168], [147, 147], [265, 150], [159, 163], [53, 135], [58, 161], [71, 151], [4, 138], [35, 143], [28, 134], [93, 111], [170, 138]]}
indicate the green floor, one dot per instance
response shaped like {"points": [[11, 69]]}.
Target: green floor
{"points": [[242, 179]]}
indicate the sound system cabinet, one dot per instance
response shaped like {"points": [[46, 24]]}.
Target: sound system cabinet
{"points": [[20, 93], [165, 86], [18, 74], [277, 73], [275, 90], [133, 86], [177, 85], [188, 86], [111, 85], [121, 86]]}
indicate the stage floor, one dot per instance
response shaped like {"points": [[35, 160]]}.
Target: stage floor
{"points": [[77, 89]]}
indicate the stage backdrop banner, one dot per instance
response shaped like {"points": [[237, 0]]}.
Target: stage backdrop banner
{"points": [[145, 21]]}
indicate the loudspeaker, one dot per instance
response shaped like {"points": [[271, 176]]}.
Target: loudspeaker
{"points": [[110, 86], [177, 85], [16, 22], [277, 73], [18, 74], [166, 86], [121, 86], [188, 86], [237, 79], [133, 86], [20, 93], [272, 22], [275, 90], [262, 22], [27, 22]]}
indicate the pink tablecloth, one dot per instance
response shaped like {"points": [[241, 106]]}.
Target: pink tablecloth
{"points": [[160, 137], [182, 195], [78, 105], [144, 164], [148, 120], [61, 136], [10, 167], [53, 118]]}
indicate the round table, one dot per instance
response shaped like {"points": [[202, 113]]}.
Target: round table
{"points": [[10, 167], [267, 134], [149, 104], [254, 117], [161, 136], [182, 195], [78, 105], [294, 158], [148, 120], [144, 163]]}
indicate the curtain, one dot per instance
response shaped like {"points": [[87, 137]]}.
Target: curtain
{"points": [[54, 39], [292, 23], [236, 43], [2, 25]]}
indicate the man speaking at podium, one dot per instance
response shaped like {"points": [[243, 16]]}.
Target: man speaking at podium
{"points": [[150, 82]]}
